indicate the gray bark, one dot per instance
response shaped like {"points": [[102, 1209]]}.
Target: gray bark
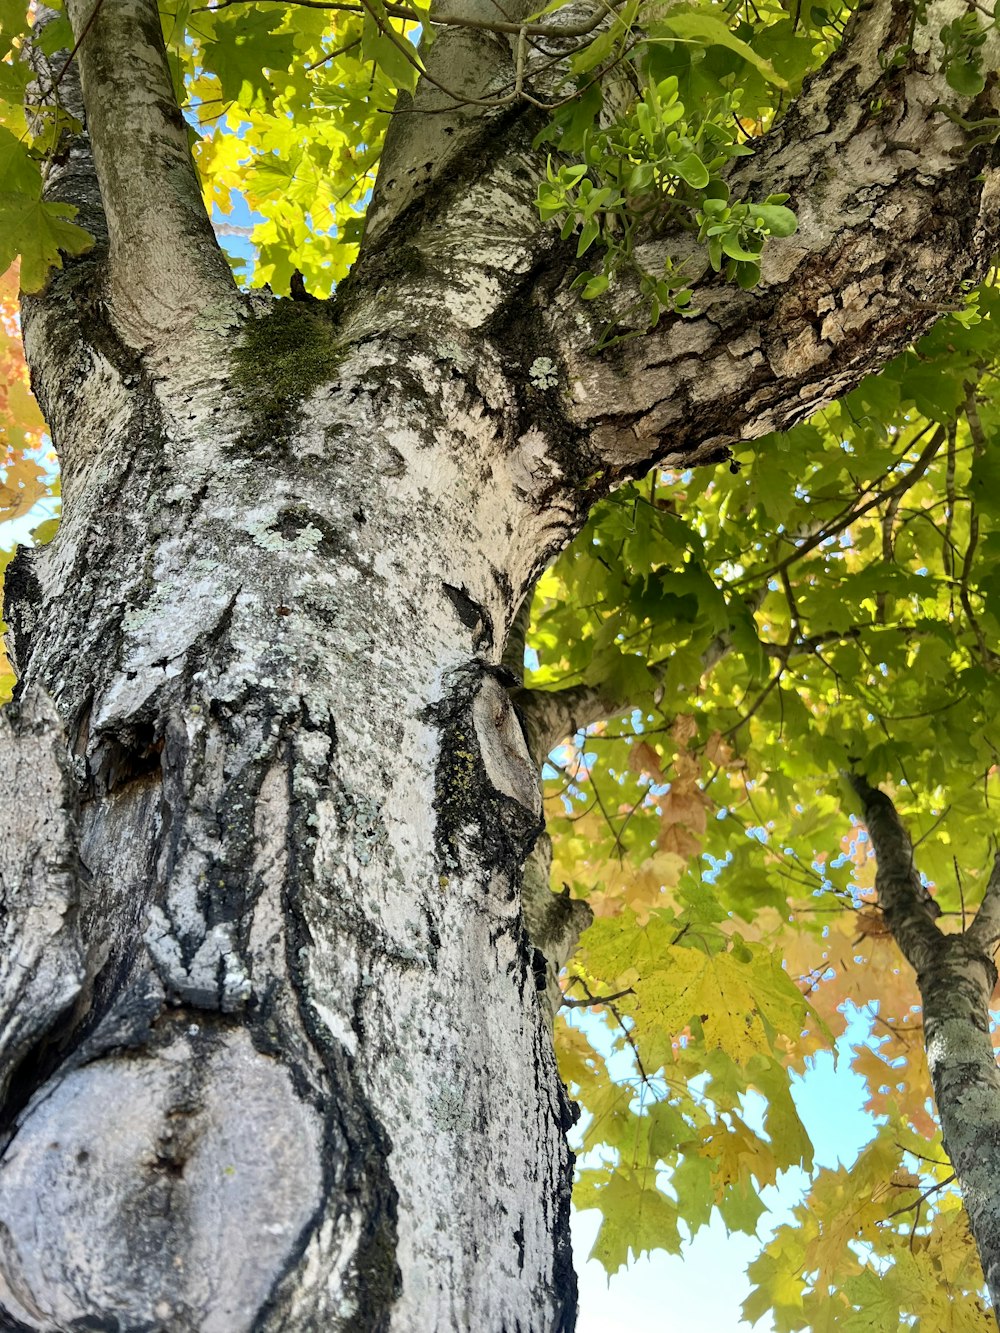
{"points": [[274, 1053], [956, 976]]}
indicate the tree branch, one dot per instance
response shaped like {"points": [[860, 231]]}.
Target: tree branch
{"points": [[166, 271], [984, 932], [551, 716], [433, 129], [445, 20], [909, 909], [568, 1003], [895, 212], [52, 320]]}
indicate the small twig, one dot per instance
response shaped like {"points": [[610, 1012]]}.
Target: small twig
{"points": [[910, 1207], [942, 816], [577, 980], [761, 698], [568, 1002], [340, 51], [935, 1161]]}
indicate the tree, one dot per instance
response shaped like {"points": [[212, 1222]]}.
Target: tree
{"points": [[262, 881]]}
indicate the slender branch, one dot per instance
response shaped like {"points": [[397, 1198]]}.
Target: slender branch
{"points": [[554, 30], [892, 493], [167, 272], [909, 1207], [627, 1032], [948, 545], [53, 87], [762, 697], [569, 1003], [909, 908], [984, 932], [48, 319]]}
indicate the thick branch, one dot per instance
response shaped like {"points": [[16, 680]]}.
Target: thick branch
{"points": [[956, 976], [166, 269], [895, 211], [450, 108], [895, 214], [551, 716]]}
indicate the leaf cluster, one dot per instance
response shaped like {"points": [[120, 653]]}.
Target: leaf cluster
{"points": [[831, 605]]}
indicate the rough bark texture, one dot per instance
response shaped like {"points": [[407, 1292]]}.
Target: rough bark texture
{"points": [[956, 976], [262, 897]]}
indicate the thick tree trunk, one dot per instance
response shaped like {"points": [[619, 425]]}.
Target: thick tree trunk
{"points": [[284, 948]]}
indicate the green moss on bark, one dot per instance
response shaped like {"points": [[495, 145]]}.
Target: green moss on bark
{"points": [[283, 356]]}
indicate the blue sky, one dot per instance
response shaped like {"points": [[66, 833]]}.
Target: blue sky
{"points": [[702, 1290]]}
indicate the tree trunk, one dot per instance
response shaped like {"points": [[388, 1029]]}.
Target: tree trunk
{"points": [[291, 954], [272, 1049]]}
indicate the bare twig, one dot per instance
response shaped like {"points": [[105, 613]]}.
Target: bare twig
{"points": [[569, 1003]]}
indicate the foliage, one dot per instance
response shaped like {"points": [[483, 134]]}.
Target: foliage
{"points": [[26, 459], [653, 162], [766, 638], [759, 636]]}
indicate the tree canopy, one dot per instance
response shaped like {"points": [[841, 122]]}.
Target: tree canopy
{"points": [[721, 647]]}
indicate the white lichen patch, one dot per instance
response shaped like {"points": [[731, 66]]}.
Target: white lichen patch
{"points": [[542, 373], [268, 538]]}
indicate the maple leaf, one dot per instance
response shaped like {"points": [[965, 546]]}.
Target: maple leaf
{"points": [[39, 232]]}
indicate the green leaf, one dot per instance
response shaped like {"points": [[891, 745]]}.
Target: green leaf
{"points": [[597, 286], [38, 231], [733, 247], [57, 36], [966, 78], [588, 235], [692, 170], [700, 26], [777, 220], [19, 173], [244, 51], [637, 1216]]}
